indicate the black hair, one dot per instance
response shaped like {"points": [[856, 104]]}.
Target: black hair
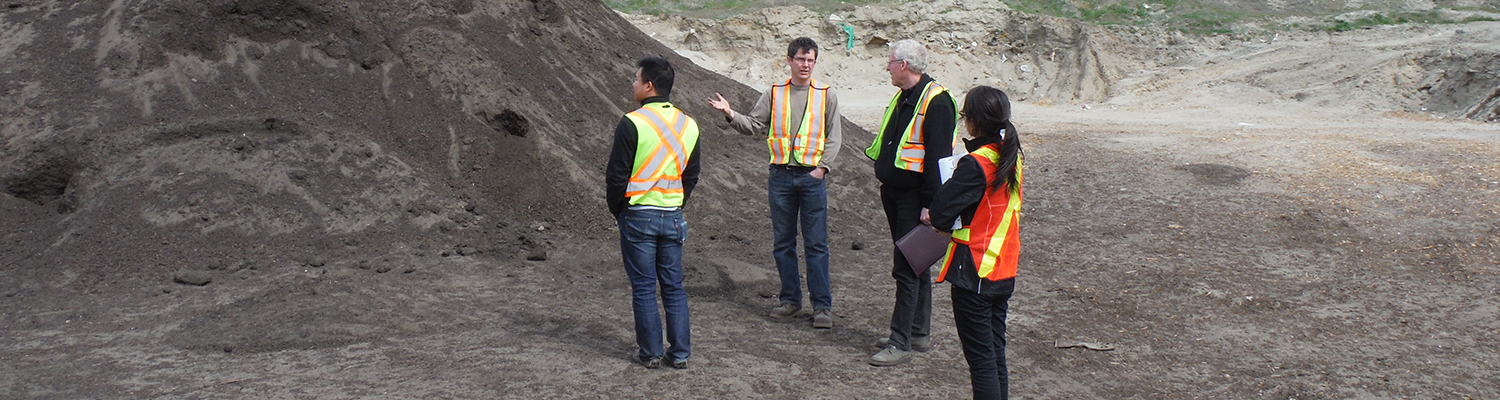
{"points": [[987, 110], [802, 44], [659, 72]]}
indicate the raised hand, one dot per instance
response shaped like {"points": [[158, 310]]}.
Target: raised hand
{"points": [[721, 105]]}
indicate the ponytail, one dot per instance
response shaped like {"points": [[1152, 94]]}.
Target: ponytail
{"points": [[988, 111]]}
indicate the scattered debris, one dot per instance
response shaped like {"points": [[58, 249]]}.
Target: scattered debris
{"points": [[1069, 343], [195, 278], [537, 255]]}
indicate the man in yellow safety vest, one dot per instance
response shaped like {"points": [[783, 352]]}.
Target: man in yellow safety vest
{"points": [[652, 170], [800, 117], [915, 133]]}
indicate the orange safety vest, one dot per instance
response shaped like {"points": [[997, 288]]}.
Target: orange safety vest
{"points": [[994, 234], [804, 147], [665, 137]]}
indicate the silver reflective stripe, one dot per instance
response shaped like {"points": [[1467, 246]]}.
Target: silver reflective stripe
{"points": [[651, 166], [669, 136], [644, 186], [637, 187], [917, 154]]}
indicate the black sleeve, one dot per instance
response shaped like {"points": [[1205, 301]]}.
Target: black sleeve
{"points": [[690, 175], [937, 139], [965, 188], [617, 171]]}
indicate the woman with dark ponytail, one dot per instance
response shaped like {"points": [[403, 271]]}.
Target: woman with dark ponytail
{"points": [[985, 193]]}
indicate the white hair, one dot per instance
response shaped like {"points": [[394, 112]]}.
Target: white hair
{"points": [[912, 52]]}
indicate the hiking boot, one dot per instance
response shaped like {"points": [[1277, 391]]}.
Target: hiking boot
{"points": [[786, 310], [679, 364], [650, 362], [822, 319], [918, 344], [890, 356]]}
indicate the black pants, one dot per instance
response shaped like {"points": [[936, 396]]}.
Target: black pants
{"points": [[912, 316], [981, 328]]}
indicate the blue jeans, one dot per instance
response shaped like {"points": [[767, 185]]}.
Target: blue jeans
{"points": [[794, 195], [651, 246]]}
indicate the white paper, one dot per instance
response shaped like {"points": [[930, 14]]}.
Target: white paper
{"points": [[946, 165]]}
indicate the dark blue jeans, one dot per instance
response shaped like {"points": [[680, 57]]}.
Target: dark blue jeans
{"points": [[980, 321], [795, 195], [651, 246]]}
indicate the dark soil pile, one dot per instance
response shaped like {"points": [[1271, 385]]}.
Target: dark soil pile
{"points": [[151, 148], [149, 137]]}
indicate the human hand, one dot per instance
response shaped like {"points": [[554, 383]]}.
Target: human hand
{"points": [[926, 219], [721, 105], [818, 172]]}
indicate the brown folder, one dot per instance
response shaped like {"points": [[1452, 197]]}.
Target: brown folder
{"points": [[923, 246]]}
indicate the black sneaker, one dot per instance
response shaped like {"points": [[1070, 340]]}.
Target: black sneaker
{"points": [[918, 344], [679, 364]]}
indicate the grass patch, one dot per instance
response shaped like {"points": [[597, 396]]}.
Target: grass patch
{"points": [[1423, 18], [1204, 21], [1192, 16]]}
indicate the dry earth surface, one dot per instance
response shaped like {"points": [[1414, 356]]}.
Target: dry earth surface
{"points": [[402, 199]]}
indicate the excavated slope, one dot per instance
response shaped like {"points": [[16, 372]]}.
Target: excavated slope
{"points": [[165, 135]]}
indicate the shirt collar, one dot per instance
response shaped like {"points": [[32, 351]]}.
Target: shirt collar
{"points": [[655, 99], [976, 143]]}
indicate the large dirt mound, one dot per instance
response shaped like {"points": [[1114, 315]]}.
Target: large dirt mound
{"points": [[159, 135]]}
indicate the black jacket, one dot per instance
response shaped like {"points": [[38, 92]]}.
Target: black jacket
{"points": [[937, 136], [622, 162], [959, 197]]}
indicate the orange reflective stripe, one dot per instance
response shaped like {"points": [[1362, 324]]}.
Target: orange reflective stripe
{"points": [[947, 261], [805, 146], [781, 122], [913, 150], [812, 136], [654, 176]]}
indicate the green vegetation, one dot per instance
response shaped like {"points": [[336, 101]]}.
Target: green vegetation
{"points": [[1429, 18], [1225, 16], [1189, 16]]}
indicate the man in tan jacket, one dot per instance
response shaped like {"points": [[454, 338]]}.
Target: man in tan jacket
{"points": [[800, 118]]}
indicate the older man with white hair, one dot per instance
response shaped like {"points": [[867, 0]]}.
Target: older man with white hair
{"points": [[915, 133]]}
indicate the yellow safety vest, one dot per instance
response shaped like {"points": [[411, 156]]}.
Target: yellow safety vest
{"points": [[665, 137], [912, 150], [805, 147]]}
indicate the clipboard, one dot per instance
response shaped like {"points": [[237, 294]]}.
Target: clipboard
{"points": [[923, 246]]}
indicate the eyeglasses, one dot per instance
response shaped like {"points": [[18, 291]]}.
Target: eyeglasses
{"points": [[804, 60], [888, 64]]}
